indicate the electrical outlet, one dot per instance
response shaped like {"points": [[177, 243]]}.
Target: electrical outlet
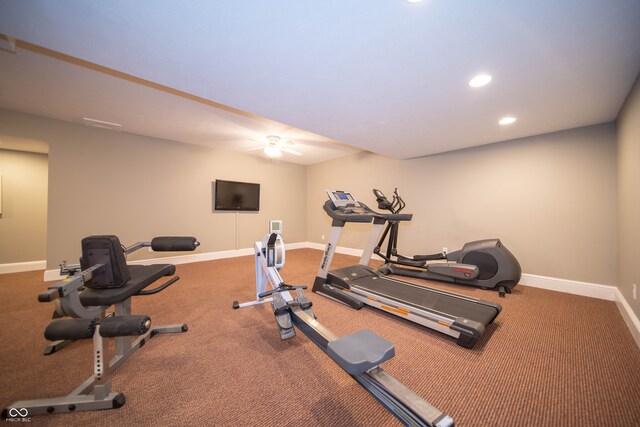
{"points": [[635, 294], [445, 250], [323, 237]]}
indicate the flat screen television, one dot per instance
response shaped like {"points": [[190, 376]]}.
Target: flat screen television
{"points": [[236, 196]]}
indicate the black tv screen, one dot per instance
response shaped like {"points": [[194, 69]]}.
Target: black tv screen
{"points": [[236, 196]]}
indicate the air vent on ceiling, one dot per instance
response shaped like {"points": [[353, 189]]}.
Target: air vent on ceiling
{"points": [[102, 124], [7, 44]]}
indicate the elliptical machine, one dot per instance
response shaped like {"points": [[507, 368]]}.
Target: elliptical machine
{"points": [[486, 264]]}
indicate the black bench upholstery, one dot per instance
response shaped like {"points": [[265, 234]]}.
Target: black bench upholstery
{"points": [[141, 277]]}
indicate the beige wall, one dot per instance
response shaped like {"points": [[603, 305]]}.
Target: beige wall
{"points": [[550, 198], [629, 197], [105, 182], [23, 222]]}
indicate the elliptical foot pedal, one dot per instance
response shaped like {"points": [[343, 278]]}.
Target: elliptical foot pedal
{"points": [[359, 352]]}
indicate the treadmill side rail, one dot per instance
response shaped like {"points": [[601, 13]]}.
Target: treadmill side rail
{"points": [[470, 331], [339, 295]]}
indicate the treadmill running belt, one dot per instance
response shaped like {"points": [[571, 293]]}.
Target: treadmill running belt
{"points": [[419, 296]]}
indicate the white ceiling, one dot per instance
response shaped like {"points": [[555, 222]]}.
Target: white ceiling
{"points": [[385, 76], [49, 87]]}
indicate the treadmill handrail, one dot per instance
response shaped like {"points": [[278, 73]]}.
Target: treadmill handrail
{"points": [[395, 216]]}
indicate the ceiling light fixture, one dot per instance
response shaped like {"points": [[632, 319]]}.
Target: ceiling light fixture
{"points": [[414, 1], [272, 151], [480, 80], [507, 120]]}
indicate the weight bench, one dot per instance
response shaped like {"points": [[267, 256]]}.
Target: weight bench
{"points": [[102, 280]]}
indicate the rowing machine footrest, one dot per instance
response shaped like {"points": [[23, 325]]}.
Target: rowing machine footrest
{"points": [[283, 317], [359, 352]]}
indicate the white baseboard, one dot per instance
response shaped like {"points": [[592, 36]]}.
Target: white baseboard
{"points": [[19, 267], [339, 249], [629, 316], [594, 290], [186, 259], [575, 287]]}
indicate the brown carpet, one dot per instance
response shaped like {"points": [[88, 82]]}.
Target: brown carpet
{"points": [[550, 359]]}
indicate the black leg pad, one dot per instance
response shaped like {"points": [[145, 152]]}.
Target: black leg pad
{"points": [[70, 329], [174, 243], [124, 326]]}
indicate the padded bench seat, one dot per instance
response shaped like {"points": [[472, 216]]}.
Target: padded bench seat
{"points": [[141, 277]]}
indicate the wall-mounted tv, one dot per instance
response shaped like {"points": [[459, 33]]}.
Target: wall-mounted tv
{"points": [[236, 196]]}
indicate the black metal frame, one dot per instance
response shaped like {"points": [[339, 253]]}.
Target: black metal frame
{"points": [[392, 230]]}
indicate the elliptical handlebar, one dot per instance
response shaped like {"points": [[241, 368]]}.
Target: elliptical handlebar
{"points": [[398, 202], [394, 206], [383, 202]]}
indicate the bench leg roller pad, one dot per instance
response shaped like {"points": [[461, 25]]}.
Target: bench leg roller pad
{"points": [[70, 329], [124, 326]]}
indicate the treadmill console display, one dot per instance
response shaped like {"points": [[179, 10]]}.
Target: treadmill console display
{"points": [[341, 198], [345, 204], [343, 207]]}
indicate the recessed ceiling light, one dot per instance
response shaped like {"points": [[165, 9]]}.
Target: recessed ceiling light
{"points": [[413, 1], [507, 120], [480, 80]]}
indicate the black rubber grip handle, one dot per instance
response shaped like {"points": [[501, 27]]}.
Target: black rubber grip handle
{"points": [[124, 326], [48, 295], [174, 243], [70, 329], [397, 217], [432, 257], [281, 288]]}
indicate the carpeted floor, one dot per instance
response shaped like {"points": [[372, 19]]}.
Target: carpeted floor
{"points": [[550, 359]]}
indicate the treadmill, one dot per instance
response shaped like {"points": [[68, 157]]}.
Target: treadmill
{"points": [[459, 316]]}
